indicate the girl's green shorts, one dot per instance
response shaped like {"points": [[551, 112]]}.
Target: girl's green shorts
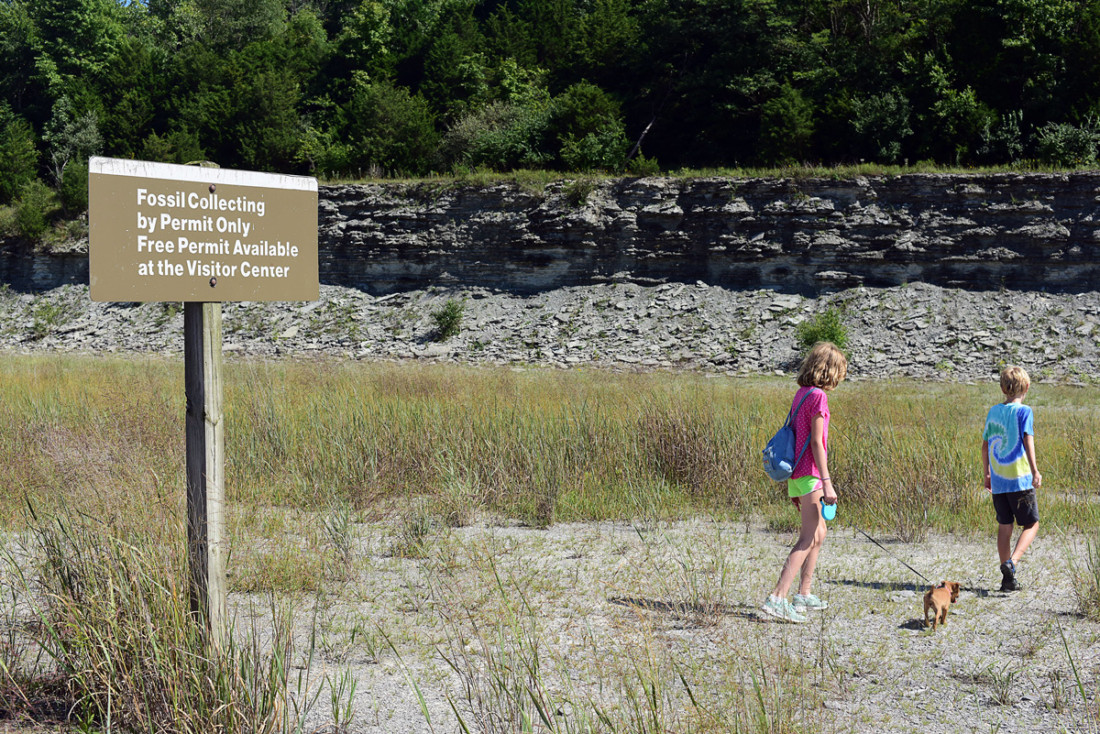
{"points": [[802, 485]]}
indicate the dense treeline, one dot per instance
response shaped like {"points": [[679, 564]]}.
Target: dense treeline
{"points": [[406, 87]]}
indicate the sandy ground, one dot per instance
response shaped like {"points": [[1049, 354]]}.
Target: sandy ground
{"points": [[627, 618]]}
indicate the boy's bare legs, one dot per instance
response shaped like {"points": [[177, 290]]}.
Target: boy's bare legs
{"points": [[1024, 540], [1004, 541], [803, 557]]}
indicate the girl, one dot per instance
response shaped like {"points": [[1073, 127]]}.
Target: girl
{"points": [[822, 369]]}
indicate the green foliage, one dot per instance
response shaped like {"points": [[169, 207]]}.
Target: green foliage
{"points": [[365, 39], [34, 209], [787, 127], [176, 146], [881, 123], [827, 326], [235, 23], [639, 165], [74, 41], [70, 134], [73, 190], [398, 87], [589, 129], [1002, 140], [18, 157], [448, 319], [1069, 146], [500, 136], [390, 131]]}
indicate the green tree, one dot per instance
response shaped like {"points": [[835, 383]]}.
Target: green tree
{"points": [[18, 157], [70, 135], [132, 96], [390, 131], [364, 42], [588, 126], [235, 23], [786, 127], [704, 69], [75, 41], [604, 40], [881, 124], [17, 49], [35, 209], [536, 33], [456, 68]]}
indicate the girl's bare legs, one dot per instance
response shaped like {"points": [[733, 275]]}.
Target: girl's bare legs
{"points": [[803, 557]]}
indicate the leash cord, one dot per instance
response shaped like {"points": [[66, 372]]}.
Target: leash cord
{"points": [[865, 535]]}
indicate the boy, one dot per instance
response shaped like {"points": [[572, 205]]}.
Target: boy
{"points": [[1011, 474]]}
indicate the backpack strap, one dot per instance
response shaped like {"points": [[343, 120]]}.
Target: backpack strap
{"points": [[791, 417]]}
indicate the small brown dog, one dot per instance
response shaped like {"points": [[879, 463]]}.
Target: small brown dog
{"points": [[939, 599]]}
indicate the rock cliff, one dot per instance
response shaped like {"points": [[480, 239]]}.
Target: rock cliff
{"points": [[1018, 231], [1034, 232]]}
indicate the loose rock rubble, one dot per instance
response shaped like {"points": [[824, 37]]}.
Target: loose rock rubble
{"points": [[916, 330]]}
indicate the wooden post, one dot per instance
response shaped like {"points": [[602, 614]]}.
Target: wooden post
{"points": [[202, 338]]}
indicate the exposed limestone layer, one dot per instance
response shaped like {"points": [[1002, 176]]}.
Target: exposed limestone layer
{"points": [[1018, 231]]}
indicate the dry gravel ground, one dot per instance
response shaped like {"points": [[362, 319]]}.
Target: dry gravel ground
{"points": [[620, 611]]}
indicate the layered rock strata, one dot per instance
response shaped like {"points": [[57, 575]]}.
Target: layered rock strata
{"points": [[1033, 232]]}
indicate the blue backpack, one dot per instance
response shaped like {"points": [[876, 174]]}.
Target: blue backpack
{"points": [[779, 455]]}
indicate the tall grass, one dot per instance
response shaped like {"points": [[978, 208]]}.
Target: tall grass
{"points": [[542, 446], [109, 615]]}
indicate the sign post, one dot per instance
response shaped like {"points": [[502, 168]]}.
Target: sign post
{"points": [[202, 376], [163, 232]]}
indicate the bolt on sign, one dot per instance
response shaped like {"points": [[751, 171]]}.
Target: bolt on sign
{"points": [[165, 232]]}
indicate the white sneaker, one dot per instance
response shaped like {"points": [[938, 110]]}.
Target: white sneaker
{"points": [[808, 603], [781, 609]]}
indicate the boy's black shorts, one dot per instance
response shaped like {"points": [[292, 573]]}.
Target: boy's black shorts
{"points": [[1018, 506]]}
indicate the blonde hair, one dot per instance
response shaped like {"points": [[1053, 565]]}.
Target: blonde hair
{"points": [[1014, 381], [824, 366]]}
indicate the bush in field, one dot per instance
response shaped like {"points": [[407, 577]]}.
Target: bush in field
{"points": [[826, 326], [1087, 582]]}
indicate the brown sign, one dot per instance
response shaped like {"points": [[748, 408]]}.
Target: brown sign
{"points": [[163, 232]]}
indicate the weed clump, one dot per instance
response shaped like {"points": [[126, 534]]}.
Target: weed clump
{"points": [[1086, 584], [827, 326], [448, 319]]}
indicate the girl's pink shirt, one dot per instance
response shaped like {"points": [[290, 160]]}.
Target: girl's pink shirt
{"points": [[816, 404]]}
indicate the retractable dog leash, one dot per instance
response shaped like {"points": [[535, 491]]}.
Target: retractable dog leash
{"points": [[865, 535]]}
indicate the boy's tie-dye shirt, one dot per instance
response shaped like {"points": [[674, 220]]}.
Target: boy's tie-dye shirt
{"points": [[1005, 427]]}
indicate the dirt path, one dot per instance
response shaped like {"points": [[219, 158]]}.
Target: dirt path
{"points": [[660, 622]]}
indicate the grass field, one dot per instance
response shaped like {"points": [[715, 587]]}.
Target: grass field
{"points": [[94, 446], [540, 446]]}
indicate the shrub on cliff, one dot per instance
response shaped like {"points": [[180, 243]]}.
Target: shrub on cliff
{"points": [[1069, 146]]}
